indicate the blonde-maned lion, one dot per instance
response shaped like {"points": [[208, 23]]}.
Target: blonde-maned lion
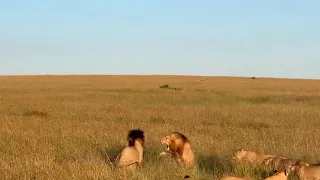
{"points": [[306, 172], [132, 155], [250, 156], [280, 163], [179, 147]]}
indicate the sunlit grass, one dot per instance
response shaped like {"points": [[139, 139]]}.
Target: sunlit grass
{"points": [[65, 127]]}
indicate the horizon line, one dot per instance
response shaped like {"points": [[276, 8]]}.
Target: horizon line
{"points": [[183, 75]]}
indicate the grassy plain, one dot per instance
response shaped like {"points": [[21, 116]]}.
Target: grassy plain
{"points": [[63, 127]]}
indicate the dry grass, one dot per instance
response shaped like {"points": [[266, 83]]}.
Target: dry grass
{"points": [[63, 127]]}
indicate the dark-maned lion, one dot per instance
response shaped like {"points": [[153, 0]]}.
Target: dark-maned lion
{"points": [[132, 155]]}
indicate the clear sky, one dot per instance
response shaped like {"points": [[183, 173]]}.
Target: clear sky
{"points": [[271, 38]]}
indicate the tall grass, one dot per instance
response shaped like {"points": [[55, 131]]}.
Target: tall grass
{"points": [[65, 127]]}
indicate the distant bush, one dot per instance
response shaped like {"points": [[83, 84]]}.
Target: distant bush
{"points": [[166, 86], [35, 113]]}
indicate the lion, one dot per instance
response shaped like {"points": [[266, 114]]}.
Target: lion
{"points": [[281, 175], [179, 147], [280, 163], [250, 156], [306, 172], [132, 155], [236, 178]]}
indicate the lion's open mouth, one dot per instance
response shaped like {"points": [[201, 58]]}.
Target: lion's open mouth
{"points": [[167, 146]]}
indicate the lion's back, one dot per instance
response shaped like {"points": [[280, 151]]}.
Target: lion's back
{"points": [[128, 155]]}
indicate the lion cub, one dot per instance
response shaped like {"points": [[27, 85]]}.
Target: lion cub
{"points": [[179, 147], [132, 155]]}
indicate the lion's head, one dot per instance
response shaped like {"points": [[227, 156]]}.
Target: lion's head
{"points": [[239, 154], [175, 141], [135, 135]]}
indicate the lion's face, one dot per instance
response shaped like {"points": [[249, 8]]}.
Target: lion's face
{"points": [[174, 142], [167, 141]]}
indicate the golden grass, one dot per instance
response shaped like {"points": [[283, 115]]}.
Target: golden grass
{"points": [[63, 127]]}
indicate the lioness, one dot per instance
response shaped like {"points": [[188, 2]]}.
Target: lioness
{"points": [[132, 155], [306, 172], [179, 147], [236, 178], [279, 163], [282, 175], [250, 156]]}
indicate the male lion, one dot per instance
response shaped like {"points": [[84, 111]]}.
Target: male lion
{"points": [[179, 147], [132, 155], [250, 156]]}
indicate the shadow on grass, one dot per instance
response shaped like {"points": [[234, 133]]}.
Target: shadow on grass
{"points": [[224, 166], [109, 154], [252, 171], [213, 164]]}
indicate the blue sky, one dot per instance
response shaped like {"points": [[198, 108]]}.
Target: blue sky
{"points": [[274, 38]]}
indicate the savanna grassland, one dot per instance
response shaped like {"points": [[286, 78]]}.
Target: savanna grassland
{"points": [[65, 127]]}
